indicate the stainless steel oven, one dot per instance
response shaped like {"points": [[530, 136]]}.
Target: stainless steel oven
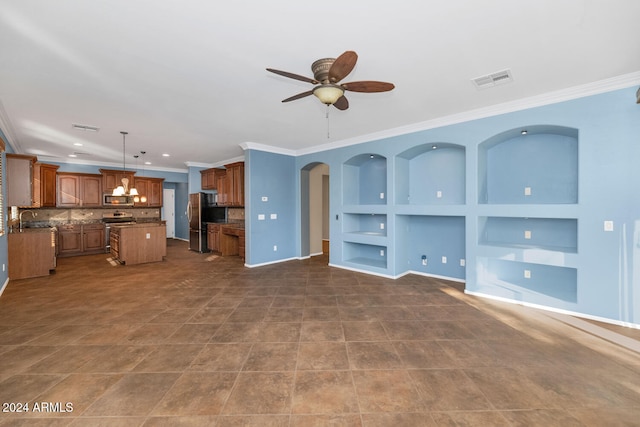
{"points": [[122, 218]]}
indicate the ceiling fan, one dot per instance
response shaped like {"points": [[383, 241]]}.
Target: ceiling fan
{"points": [[327, 72]]}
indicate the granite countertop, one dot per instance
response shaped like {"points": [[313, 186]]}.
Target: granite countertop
{"points": [[139, 224], [34, 230]]}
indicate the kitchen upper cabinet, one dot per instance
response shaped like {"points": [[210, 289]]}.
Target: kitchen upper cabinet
{"points": [[44, 185], [151, 188], [19, 169], [79, 190], [208, 179], [235, 184], [111, 178], [228, 182]]}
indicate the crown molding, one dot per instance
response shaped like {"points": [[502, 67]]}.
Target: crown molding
{"points": [[51, 159], [7, 130], [575, 92], [269, 148]]}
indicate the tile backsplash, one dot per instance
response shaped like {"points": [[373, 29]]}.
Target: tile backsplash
{"points": [[61, 216]]}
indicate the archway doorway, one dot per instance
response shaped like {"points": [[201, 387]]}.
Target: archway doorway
{"points": [[314, 189]]}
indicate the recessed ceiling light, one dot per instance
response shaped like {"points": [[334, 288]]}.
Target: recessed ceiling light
{"points": [[73, 155], [147, 163], [88, 128], [78, 144], [524, 132], [433, 147], [165, 155]]}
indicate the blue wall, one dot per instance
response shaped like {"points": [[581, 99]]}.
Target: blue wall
{"points": [[275, 177], [595, 272]]}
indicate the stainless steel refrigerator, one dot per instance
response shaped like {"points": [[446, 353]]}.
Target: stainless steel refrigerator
{"points": [[197, 211]]}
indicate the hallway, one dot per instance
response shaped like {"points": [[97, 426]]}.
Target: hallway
{"points": [[198, 340]]}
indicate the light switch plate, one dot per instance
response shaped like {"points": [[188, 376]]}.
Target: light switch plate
{"points": [[527, 191], [274, 216], [261, 217], [527, 274], [608, 226], [265, 199], [527, 234]]}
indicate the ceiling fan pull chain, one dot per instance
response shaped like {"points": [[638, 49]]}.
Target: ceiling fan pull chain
{"points": [[328, 124]]}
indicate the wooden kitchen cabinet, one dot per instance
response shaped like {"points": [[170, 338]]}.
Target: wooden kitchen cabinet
{"points": [[69, 239], [93, 236], [45, 185], [222, 185], [19, 170], [213, 237], [81, 239], [151, 188], [235, 184], [111, 178], [208, 179], [32, 253], [79, 190]]}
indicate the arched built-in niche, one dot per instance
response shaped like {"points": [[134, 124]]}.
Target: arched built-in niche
{"points": [[365, 180], [529, 165], [432, 173], [524, 253]]}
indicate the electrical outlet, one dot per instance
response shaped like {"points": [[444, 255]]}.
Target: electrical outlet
{"points": [[261, 217], [527, 191], [381, 252], [608, 226], [274, 216], [264, 198], [527, 234], [382, 195], [382, 226], [275, 248], [463, 262], [439, 194], [527, 274], [444, 259]]}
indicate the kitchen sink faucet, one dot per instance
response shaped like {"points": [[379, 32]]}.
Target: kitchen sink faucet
{"points": [[33, 214]]}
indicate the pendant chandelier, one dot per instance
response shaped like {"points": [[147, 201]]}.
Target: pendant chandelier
{"points": [[124, 190]]}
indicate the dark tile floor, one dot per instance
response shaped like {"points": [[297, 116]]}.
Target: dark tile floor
{"points": [[197, 340]]}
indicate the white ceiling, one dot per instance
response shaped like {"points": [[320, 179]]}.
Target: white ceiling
{"points": [[188, 77]]}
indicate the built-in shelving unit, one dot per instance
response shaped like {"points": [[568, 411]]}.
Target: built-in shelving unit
{"points": [[431, 174], [531, 256], [439, 239], [364, 226], [365, 180]]}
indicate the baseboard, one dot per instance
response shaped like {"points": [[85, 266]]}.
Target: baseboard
{"points": [[435, 276], [4, 285], [278, 261], [555, 310]]}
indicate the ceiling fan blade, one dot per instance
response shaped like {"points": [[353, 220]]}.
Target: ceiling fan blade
{"points": [[294, 76], [341, 103], [298, 96], [368, 86], [342, 66]]}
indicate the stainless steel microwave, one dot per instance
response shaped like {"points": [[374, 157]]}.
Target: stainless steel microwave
{"points": [[111, 200]]}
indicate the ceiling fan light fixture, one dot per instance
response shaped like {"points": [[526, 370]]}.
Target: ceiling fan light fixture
{"points": [[328, 93]]}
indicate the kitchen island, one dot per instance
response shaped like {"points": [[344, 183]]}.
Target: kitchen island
{"points": [[139, 243]]}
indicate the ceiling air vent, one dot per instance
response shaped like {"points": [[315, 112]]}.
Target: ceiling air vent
{"points": [[85, 127], [493, 79]]}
